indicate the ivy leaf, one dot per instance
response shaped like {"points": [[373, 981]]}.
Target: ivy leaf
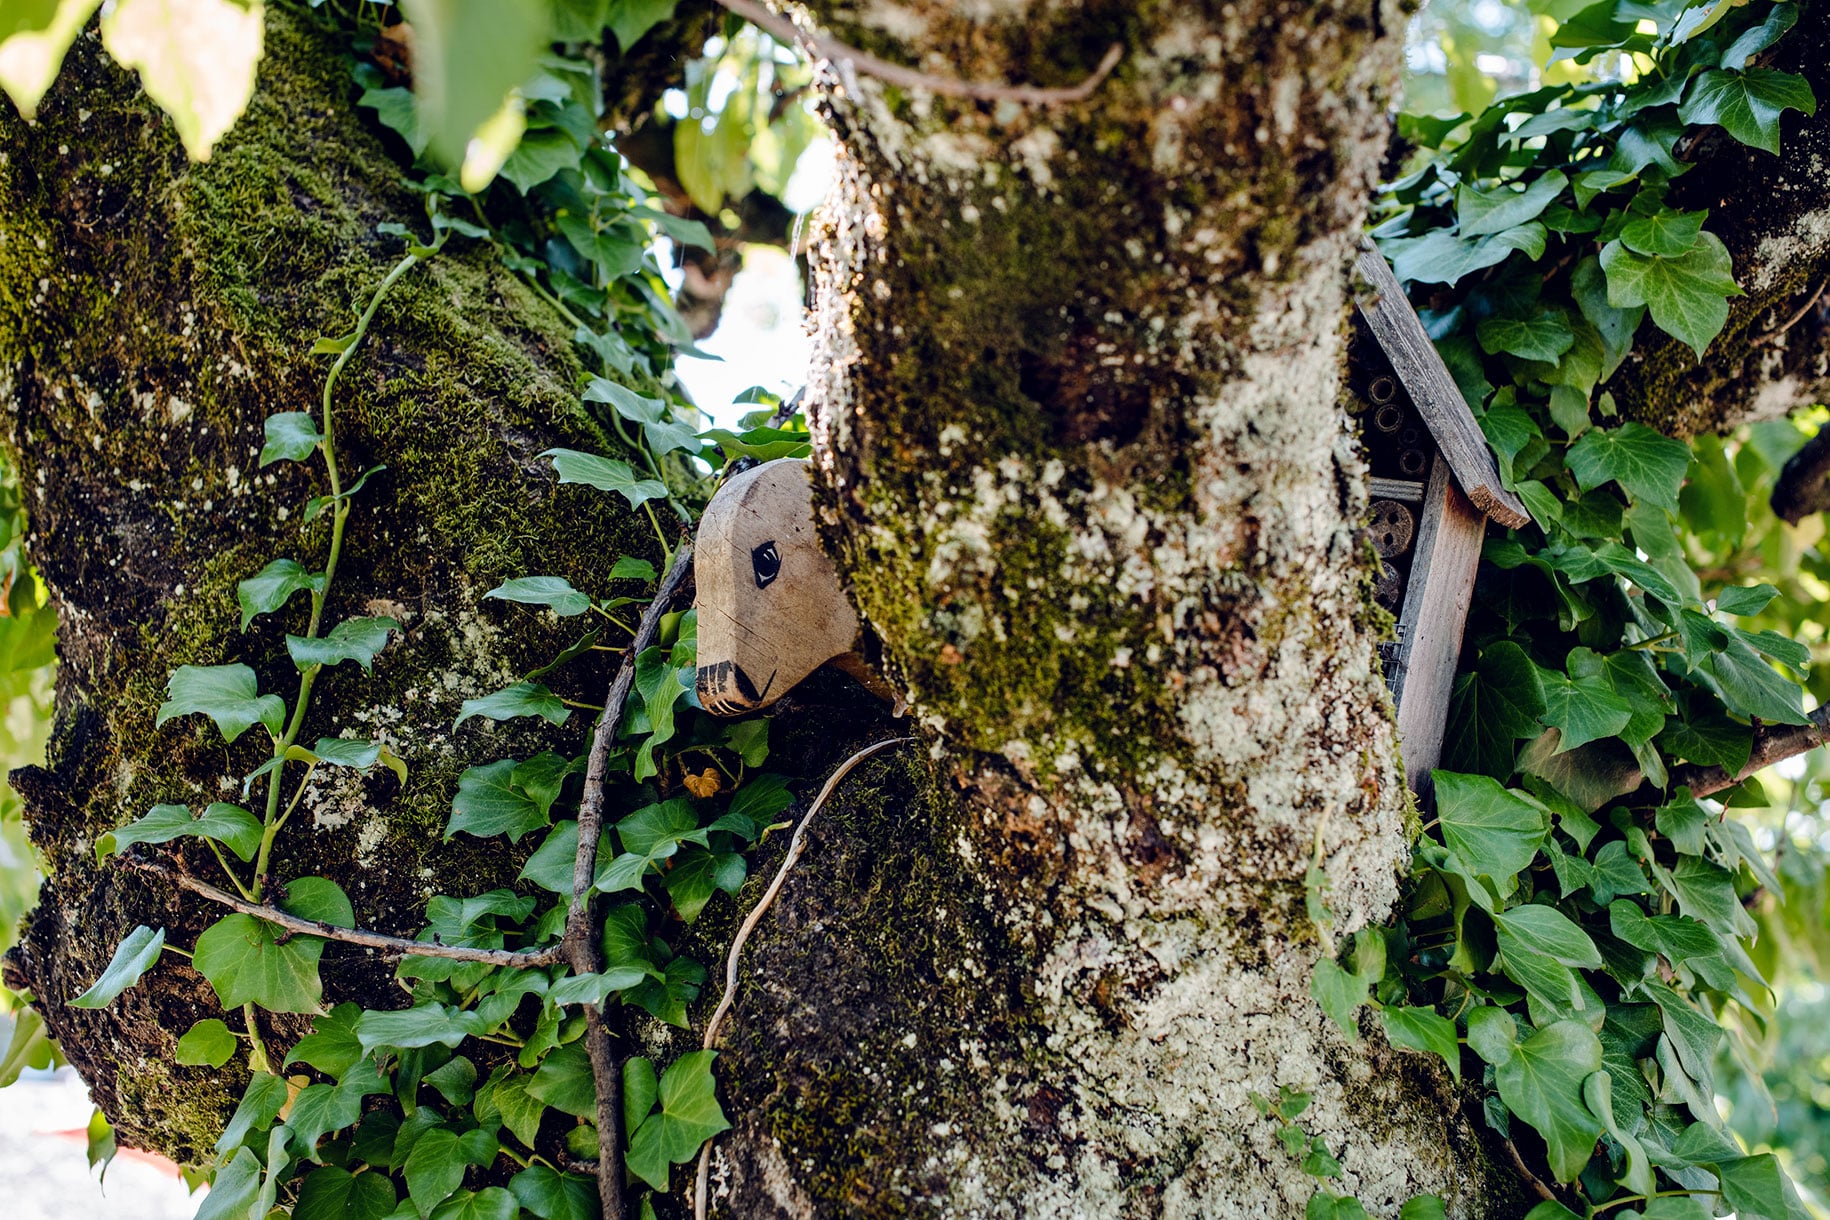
{"points": [[137, 953], [1709, 739], [489, 803], [1663, 233], [1492, 707], [434, 1168], [261, 1103], [1742, 600], [1545, 335], [490, 1203], [1688, 295], [196, 58], [208, 1043], [337, 1194], [553, 591], [550, 867], [660, 683], [1423, 1029], [1546, 930], [520, 1112], [1756, 39], [230, 825], [539, 156], [697, 875], [1651, 467], [1492, 1033], [605, 474], [552, 1195], [1756, 1187], [332, 1045], [1583, 709], [1750, 686], [234, 1189], [1496, 209], [1542, 1084], [595, 988], [1747, 104], [1423, 1207], [1440, 257], [273, 586], [292, 436], [689, 1115], [629, 568], [1706, 892], [1339, 992], [521, 699], [420, 1025], [227, 694], [1492, 829], [247, 962], [356, 639], [564, 1081], [659, 429]]}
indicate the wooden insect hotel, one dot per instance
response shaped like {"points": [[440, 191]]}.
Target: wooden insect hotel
{"points": [[1434, 487]]}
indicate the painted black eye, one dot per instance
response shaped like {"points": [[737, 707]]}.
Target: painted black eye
{"points": [[767, 564]]}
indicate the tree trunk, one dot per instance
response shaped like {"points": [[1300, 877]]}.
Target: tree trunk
{"points": [[1079, 452]]}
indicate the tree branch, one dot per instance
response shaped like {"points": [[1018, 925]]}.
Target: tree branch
{"points": [[1772, 743], [1803, 486], [398, 946], [820, 46]]}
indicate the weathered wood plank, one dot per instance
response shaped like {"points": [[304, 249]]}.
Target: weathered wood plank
{"points": [[1436, 601], [1399, 332]]}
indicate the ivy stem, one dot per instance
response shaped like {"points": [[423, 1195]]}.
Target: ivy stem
{"points": [[1652, 643], [234, 880], [257, 1049], [272, 819]]}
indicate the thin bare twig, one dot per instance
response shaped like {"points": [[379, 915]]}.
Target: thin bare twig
{"points": [[796, 845], [1794, 320], [822, 47], [397, 946], [579, 945]]}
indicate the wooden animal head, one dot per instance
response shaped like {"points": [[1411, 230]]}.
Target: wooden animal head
{"points": [[771, 609]]}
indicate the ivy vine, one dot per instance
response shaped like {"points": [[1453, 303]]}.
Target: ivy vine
{"points": [[1575, 941]]}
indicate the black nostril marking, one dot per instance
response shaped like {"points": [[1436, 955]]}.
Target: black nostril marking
{"points": [[746, 687], [766, 562]]}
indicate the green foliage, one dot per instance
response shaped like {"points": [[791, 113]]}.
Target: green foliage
{"points": [[1577, 940]]}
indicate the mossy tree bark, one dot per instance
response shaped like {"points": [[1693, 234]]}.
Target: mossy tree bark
{"points": [[1080, 455], [152, 314]]}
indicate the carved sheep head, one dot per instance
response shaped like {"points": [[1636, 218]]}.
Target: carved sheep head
{"points": [[771, 609]]}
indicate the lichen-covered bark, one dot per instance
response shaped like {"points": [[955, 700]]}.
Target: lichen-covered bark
{"points": [[1773, 212], [1080, 455], [152, 314]]}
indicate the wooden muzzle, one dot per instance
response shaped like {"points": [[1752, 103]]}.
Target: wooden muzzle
{"points": [[771, 609]]}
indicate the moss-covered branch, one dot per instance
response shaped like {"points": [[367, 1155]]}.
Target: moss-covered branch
{"points": [[152, 314]]}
